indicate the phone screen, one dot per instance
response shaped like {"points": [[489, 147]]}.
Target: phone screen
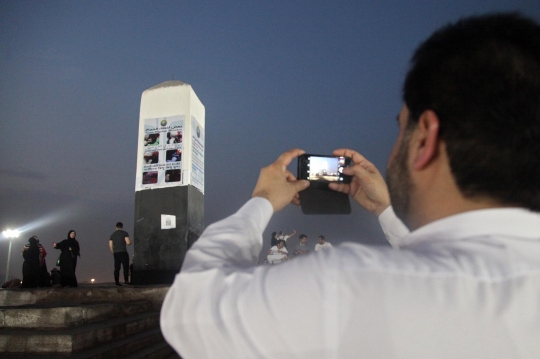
{"points": [[323, 168]]}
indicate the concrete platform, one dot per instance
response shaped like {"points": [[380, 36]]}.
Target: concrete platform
{"points": [[75, 339], [62, 315], [84, 294], [92, 321]]}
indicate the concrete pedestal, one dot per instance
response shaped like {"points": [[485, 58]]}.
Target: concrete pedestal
{"points": [[159, 253]]}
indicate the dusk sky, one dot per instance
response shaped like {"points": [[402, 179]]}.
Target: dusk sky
{"points": [[273, 75]]}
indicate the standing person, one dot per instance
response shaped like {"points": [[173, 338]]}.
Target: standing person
{"points": [[273, 240], [117, 245], [44, 279], [302, 247], [323, 244], [284, 236], [463, 177], [31, 265], [44, 276], [70, 250]]}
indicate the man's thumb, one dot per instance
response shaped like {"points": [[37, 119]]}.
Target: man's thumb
{"points": [[301, 185]]}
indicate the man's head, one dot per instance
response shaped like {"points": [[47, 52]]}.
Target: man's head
{"points": [[321, 239], [280, 243], [303, 238], [480, 78], [119, 225]]}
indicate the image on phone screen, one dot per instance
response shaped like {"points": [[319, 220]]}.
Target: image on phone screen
{"points": [[323, 169]]}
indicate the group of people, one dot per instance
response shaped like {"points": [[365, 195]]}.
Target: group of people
{"points": [[35, 273], [279, 253]]}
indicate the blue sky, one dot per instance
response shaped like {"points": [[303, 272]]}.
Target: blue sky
{"points": [[272, 75]]}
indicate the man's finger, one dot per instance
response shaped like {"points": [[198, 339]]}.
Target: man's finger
{"points": [[286, 158], [355, 156]]}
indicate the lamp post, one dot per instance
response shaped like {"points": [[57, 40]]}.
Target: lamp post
{"points": [[9, 235]]}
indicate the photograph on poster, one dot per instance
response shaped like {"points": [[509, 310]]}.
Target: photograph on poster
{"points": [[151, 139], [161, 152], [151, 157], [174, 137], [173, 155], [149, 177], [173, 176]]}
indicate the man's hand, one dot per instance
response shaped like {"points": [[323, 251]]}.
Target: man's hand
{"points": [[278, 185], [367, 187]]}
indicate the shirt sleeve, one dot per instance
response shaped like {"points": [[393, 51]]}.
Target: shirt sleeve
{"points": [[215, 270], [394, 229]]}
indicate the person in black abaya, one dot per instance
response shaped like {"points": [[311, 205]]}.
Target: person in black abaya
{"points": [[68, 259], [31, 264]]}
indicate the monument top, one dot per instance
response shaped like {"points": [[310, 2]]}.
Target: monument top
{"points": [[171, 83]]}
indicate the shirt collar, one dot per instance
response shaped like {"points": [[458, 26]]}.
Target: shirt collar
{"points": [[511, 222]]}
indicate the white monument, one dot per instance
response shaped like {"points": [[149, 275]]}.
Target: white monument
{"points": [[169, 185]]}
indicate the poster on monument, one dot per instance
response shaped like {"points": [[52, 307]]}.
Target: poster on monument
{"points": [[161, 151], [197, 155]]}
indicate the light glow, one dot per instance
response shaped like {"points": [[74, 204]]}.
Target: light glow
{"points": [[11, 233]]}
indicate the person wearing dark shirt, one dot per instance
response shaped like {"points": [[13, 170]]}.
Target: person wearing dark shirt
{"points": [[302, 247], [117, 244]]}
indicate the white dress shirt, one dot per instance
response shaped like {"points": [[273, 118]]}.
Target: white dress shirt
{"points": [[467, 286], [319, 246]]}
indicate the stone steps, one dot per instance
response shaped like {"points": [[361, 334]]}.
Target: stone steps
{"points": [[61, 315], [148, 345], [96, 322], [83, 294], [70, 340]]}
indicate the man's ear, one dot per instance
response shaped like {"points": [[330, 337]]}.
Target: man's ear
{"points": [[426, 139]]}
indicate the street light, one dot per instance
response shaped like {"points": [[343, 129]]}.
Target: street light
{"points": [[92, 280], [9, 234]]}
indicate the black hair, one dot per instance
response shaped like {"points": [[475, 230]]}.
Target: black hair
{"points": [[302, 236], [322, 237], [120, 225], [70, 233], [481, 76], [280, 241]]}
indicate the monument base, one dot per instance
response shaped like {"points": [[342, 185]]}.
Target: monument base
{"points": [[159, 251], [146, 277]]}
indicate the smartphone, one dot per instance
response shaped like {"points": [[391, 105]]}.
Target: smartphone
{"points": [[323, 169]]}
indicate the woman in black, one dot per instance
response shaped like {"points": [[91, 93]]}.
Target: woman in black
{"points": [[68, 259], [31, 265]]}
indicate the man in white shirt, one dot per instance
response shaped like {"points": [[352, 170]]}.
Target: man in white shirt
{"points": [[278, 253], [323, 244], [464, 177]]}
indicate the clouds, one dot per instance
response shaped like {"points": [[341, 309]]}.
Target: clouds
{"points": [[20, 173], [272, 76]]}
